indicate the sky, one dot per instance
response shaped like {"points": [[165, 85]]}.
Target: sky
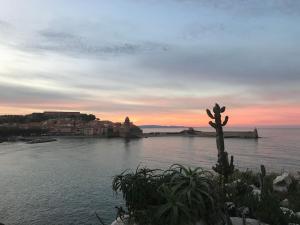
{"points": [[156, 61]]}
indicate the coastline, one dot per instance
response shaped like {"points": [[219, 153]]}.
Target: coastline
{"points": [[89, 160]]}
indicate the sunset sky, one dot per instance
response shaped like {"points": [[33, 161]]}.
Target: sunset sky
{"points": [[157, 61]]}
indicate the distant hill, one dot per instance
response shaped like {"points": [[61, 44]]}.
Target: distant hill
{"points": [[160, 126]]}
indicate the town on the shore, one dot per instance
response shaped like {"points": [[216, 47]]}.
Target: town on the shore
{"points": [[57, 123]]}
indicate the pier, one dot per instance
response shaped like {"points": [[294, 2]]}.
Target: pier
{"points": [[196, 133]]}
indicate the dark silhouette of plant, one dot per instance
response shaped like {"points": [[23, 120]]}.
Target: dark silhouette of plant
{"points": [[261, 179], [264, 205], [196, 190], [176, 196], [173, 210], [139, 190], [223, 167], [16, 131], [268, 210]]}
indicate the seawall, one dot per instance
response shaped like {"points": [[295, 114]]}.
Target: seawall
{"points": [[195, 133]]}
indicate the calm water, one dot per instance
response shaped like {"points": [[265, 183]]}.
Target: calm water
{"points": [[65, 182]]}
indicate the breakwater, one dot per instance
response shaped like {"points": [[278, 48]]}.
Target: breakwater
{"points": [[196, 133]]}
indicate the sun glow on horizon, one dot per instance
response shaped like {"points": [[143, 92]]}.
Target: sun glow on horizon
{"points": [[249, 117], [154, 67]]}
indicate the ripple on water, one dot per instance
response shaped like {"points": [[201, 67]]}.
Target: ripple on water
{"points": [[65, 182]]}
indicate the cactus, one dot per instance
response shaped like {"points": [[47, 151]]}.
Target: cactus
{"points": [[223, 167], [261, 178]]}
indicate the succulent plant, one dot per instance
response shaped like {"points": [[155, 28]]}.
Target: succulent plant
{"points": [[261, 178], [223, 166], [177, 196]]}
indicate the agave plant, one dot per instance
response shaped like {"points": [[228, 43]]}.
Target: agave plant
{"points": [[195, 188], [177, 196], [139, 190], [194, 184], [173, 210]]}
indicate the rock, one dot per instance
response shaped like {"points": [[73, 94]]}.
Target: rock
{"points": [[120, 221], [288, 212], [243, 211], [297, 215], [281, 183], [231, 209], [117, 222], [239, 221], [230, 205], [284, 203]]}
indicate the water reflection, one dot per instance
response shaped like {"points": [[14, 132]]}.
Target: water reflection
{"points": [[65, 182]]}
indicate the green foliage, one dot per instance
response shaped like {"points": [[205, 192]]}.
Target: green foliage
{"points": [[40, 117], [265, 207], [87, 117], [34, 117], [15, 131], [183, 196], [139, 191], [268, 210], [294, 195], [248, 177], [12, 119], [196, 189], [176, 196], [172, 210]]}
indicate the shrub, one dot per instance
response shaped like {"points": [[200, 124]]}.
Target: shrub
{"points": [[265, 207], [176, 196]]}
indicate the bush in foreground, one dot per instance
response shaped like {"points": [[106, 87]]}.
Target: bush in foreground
{"points": [[177, 196], [183, 196]]}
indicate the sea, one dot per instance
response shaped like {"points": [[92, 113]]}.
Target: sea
{"points": [[69, 181]]}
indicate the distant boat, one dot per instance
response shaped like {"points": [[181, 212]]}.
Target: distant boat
{"points": [[41, 140]]}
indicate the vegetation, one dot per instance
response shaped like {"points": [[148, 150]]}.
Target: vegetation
{"points": [[15, 131], [265, 206], [40, 117], [87, 117], [223, 167], [182, 195], [176, 196], [185, 196]]}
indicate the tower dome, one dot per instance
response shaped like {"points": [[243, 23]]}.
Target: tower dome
{"points": [[127, 121]]}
